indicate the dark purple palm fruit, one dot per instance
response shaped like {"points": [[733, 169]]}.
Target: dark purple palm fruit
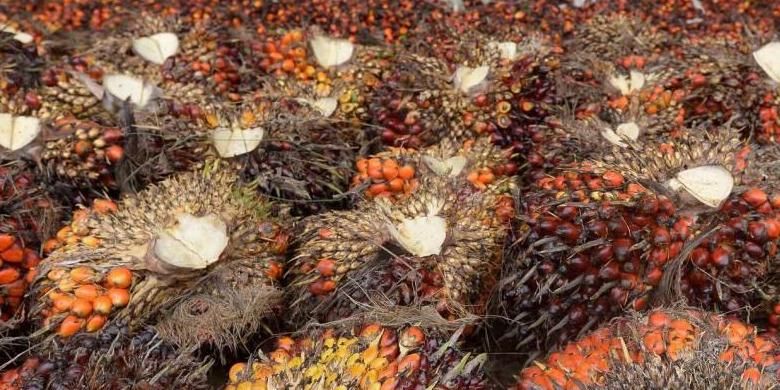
{"points": [[114, 359], [604, 235]]}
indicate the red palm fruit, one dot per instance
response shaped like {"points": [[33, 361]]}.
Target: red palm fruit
{"points": [[672, 348], [371, 356], [27, 215]]}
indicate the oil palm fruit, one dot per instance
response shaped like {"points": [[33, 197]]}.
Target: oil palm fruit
{"points": [[27, 216], [639, 348], [115, 359], [395, 172], [440, 245], [599, 240], [196, 256], [370, 356]]}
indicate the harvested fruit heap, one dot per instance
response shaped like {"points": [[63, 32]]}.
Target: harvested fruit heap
{"points": [[371, 356], [512, 174], [440, 245], [199, 247], [691, 345]]}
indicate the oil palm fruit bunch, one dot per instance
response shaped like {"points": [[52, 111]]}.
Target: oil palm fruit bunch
{"points": [[392, 173], [764, 122], [331, 68], [116, 359], [294, 151], [607, 236], [285, 143], [500, 89], [74, 157], [21, 65], [616, 35], [82, 152], [638, 348], [723, 83], [370, 356], [624, 97], [27, 216], [440, 245], [196, 256]]}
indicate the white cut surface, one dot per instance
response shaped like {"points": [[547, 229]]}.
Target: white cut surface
{"points": [[421, 236], [157, 48], [768, 58], [634, 82], [709, 184], [193, 243], [452, 166], [507, 49], [330, 52], [235, 142], [124, 87], [469, 79], [623, 132], [17, 132], [20, 36], [326, 106]]}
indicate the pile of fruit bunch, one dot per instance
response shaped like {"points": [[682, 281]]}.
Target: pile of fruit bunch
{"points": [[455, 176], [368, 356], [436, 238], [669, 348], [198, 257]]}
